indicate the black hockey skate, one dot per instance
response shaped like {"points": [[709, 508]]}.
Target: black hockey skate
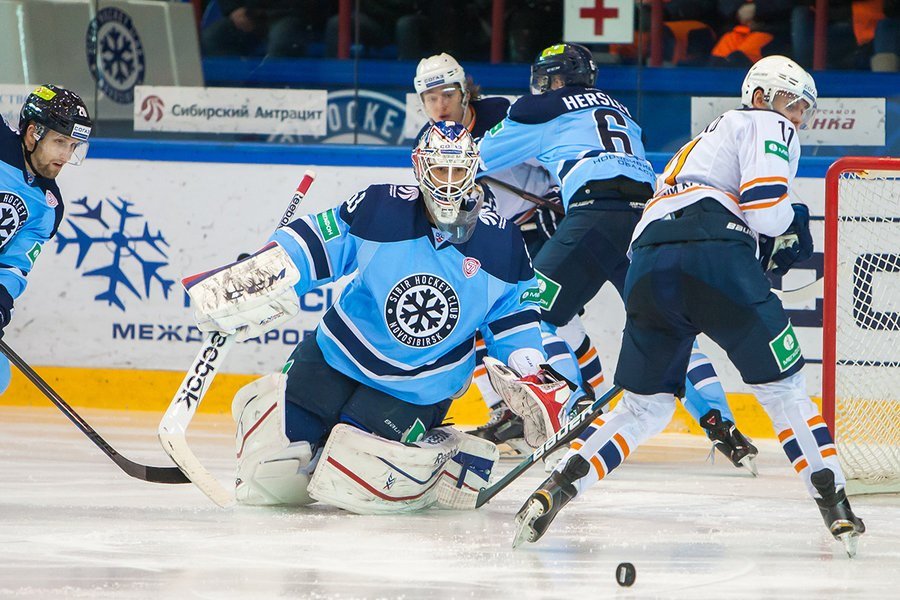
{"points": [[845, 526], [504, 427], [728, 440], [541, 508]]}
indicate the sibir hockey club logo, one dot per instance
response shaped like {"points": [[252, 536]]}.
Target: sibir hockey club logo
{"points": [[13, 214], [115, 54], [129, 252], [421, 310], [152, 108]]}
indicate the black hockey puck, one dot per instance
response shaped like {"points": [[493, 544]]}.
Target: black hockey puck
{"points": [[625, 574]]}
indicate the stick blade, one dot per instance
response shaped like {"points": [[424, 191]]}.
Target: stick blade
{"points": [[179, 451]]}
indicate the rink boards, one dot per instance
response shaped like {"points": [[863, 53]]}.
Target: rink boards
{"points": [[105, 315]]}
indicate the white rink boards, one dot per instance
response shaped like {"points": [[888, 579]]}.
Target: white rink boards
{"points": [[73, 526]]}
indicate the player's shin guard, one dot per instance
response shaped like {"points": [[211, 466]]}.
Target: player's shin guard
{"points": [[845, 526], [271, 470], [544, 504], [803, 434]]}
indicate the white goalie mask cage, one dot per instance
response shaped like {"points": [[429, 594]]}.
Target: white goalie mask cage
{"points": [[445, 162], [780, 76]]}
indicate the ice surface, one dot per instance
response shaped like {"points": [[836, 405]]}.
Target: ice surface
{"points": [[73, 525]]}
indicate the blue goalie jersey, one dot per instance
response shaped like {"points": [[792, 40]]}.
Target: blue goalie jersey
{"points": [[578, 134], [406, 322], [31, 209]]}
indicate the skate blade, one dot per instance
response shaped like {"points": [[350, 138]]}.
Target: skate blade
{"points": [[524, 531], [850, 540], [750, 463]]}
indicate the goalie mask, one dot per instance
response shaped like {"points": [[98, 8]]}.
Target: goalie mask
{"points": [[445, 162], [781, 78]]}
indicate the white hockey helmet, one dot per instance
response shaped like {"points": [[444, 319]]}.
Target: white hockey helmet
{"points": [[440, 70], [780, 75], [445, 161]]}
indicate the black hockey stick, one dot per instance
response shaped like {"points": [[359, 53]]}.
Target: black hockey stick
{"points": [[138, 471], [566, 434], [557, 208]]}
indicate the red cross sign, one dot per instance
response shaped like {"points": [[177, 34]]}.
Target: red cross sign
{"points": [[599, 21]]}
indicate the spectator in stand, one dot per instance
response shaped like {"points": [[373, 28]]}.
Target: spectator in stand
{"points": [[688, 32], [379, 25], [850, 34], [886, 42], [759, 28], [280, 28]]}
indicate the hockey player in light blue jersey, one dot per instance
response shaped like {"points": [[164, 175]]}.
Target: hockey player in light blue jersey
{"points": [[344, 423], [590, 143], [54, 127]]}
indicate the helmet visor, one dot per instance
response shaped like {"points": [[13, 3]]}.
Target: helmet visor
{"points": [[73, 150], [795, 107]]}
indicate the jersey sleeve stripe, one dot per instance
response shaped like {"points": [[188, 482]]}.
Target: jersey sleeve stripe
{"points": [[363, 357], [760, 180], [763, 192], [312, 246], [762, 204], [527, 316]]}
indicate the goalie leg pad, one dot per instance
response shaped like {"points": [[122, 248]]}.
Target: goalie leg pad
{"points": [[467, 472], [271, 470], [366, 474]]}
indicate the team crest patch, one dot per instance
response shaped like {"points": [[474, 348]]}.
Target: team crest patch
{"points": [[115, 54], [13, 213], [471, 266], [52, 202], [421, 310]]}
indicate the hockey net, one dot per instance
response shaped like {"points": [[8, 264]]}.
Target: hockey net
{"points": [[861, 320]]}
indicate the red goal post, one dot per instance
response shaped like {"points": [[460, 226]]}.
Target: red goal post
{"points": [[861, 320]]}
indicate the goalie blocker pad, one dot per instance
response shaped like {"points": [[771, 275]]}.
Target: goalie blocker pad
{"points": [[367, 474], [248, 297]]}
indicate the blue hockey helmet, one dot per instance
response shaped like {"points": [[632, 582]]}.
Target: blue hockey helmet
{"points": [[572, 63]]}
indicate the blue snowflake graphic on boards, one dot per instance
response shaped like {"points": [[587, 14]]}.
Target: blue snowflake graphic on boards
{"points": [[117, 54], [129, 251]]}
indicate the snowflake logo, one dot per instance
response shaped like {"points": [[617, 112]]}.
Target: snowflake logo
{"points": [[115, 54], [421, 310], [129, 252]]}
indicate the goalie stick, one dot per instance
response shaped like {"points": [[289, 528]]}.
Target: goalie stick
{"points": [[173, 426], [566, 434], [136, 470]]}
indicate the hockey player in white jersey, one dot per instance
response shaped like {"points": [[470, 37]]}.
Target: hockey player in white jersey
{"points": [[354, 418], [695, 269], [448, 94]]}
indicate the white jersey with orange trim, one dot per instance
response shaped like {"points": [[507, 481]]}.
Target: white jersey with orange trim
{"points": [[745, 159]]}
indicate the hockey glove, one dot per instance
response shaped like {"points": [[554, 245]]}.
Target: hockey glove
{"points": [[6, 308], [539, 398], [246, 298], [795, 245]]}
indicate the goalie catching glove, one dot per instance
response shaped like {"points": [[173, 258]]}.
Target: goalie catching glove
{"points": [[540, 398], [246, 298]]}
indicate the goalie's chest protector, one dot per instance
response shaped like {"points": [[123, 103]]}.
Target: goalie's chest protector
{"points": [[407, 320]]}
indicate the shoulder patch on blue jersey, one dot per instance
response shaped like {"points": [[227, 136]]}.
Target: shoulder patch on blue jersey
{"points": [[13, 214], [489, 112]]}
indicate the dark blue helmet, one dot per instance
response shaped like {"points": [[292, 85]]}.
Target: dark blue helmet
{"points": [[573, 63], [58, 109]]}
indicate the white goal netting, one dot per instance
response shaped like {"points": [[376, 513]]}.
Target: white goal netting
{"points": [[867, 327]]}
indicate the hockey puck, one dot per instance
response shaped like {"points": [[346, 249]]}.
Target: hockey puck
{"points": [[625, 574]]}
